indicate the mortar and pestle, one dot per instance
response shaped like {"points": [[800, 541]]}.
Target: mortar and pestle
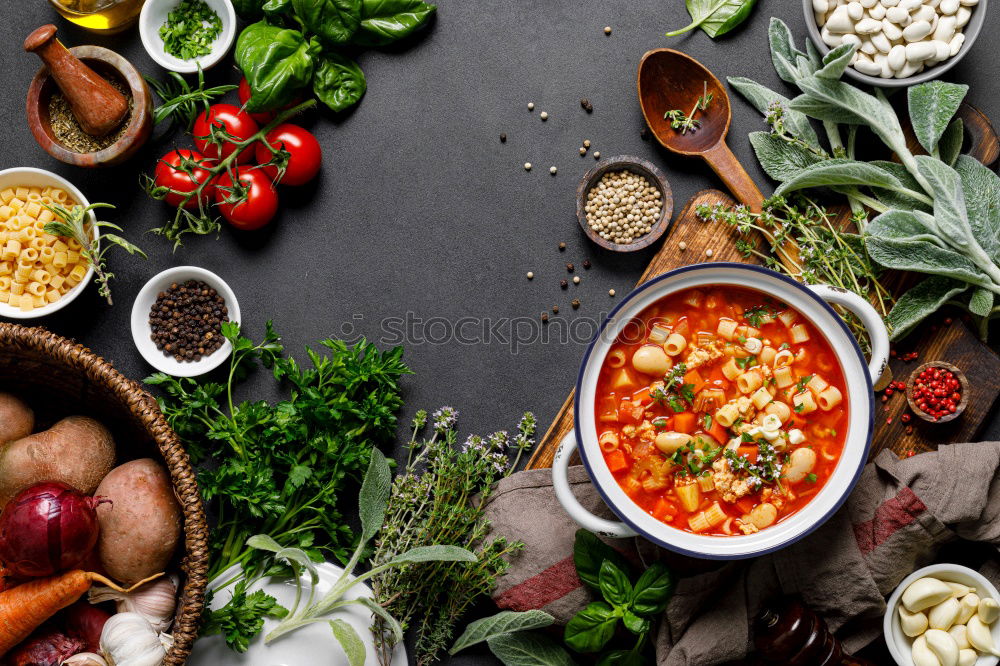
{"points": [[82, 75]]}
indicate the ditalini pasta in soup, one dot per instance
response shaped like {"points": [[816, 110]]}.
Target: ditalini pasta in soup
{"points": [[721, 411]]}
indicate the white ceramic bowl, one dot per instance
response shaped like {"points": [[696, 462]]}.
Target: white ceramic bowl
{"points": [[154, 15], [39, 177], [899, 643], [141, 331], [811, 302]]}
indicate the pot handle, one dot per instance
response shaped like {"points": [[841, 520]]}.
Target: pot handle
{"points": [[870, 319], [576, 511]]}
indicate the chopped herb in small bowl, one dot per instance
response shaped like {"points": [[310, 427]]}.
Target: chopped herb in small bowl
{"points": [[191, 28]]}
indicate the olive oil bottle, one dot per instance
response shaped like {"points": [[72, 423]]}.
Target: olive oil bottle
{"points": [[102, 16]]}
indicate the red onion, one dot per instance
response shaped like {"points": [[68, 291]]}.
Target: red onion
{"points": [[46, 647], [86, 622], [47, 528]]}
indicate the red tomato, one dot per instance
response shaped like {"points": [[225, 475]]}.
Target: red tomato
{"points": [[184, 179], [260, 204], [236, 122], [304, 154], [261, 117]]}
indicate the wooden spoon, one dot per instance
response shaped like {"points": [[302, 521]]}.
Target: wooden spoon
{"points": [[670, 80]]}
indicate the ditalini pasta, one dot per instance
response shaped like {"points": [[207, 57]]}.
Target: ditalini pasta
{"points": [[726, 416], [36, 268]]}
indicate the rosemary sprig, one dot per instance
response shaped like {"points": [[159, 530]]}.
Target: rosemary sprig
{"points": [[181, 102], [72, 223], [687, 122]]}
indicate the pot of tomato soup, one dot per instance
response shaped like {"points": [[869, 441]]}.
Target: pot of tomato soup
{"points": [[724, 410]]}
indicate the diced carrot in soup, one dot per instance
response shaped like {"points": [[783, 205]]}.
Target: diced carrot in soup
{"points": [[671, 446]]}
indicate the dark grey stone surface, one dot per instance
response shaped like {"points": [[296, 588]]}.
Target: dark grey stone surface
{"points": [[420, 211]]}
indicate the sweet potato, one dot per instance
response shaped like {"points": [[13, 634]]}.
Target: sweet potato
{"points": [[16, 418], [77, 451], [141, 526]]}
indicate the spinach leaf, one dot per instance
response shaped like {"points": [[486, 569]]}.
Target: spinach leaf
{"points": [[276, 62], [653, 590], [836, 61], [592, 628], [894, 199], [715, 17], [932, 106], [921, 301], [779, 158], [761, 98], [385, 21], [589, 553], [840, 172], [529, 648], [339, 82], [981, 301], [981, 187], [504, 622], [784, 55], [615, 585], [334, 21], [924, 257], [950, 145]]}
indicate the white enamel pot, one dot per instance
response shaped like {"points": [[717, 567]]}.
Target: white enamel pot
{"points": [[811, 301]]}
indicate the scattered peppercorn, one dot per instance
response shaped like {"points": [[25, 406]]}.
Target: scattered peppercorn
{"points": [[552, 170], [611, 292], [597, 154], [563, 284], [543, 115], [905, 418], [503, 138], [586, 263], [586, 143], [607, 30], [888, 420], [587, 106], [909, 430], [562, 246], [545, 316], [910, 453], [527, 166], [583, 151], [555, 309], [530, 275], [682, 245], [576, 279], [947, 321], [708, 252], [569, 267], [531, 106], [644, 134], [892, 353], [186, 320], [575, 303]]}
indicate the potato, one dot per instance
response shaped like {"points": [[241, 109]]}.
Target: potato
{"points": [[16, 418], [141, 526], [77, 451]]}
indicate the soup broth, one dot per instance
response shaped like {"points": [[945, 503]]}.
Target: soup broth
{"points": [[721, 411]]}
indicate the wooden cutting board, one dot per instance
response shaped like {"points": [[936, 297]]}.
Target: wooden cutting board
{"points": [[954, 343]]}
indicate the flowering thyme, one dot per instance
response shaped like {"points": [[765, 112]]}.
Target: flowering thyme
{"points": [[765, 471], [686, 122]]}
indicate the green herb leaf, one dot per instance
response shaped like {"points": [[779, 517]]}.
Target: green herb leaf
{"points": [[386, 21], [249, 10], [276, 63], [242, 618], [840, 172], [529, 648], [334, 21], [921, 301], [762, 98], [836, 61], [435, 554], [339, 82], [592, 628], [589, 553], [981, 301], [784, 55], [904, 225], [191, 28], [636, 624], [653, 590], [924, 257], [374, 495], [715, 17], [950, 144], [981, 187], [395, 628], [351, 643], [811, 478], [614, 583], [895, 199], [504, 622], [932, 106], [825, 111], [950, 214], [780, 159]]}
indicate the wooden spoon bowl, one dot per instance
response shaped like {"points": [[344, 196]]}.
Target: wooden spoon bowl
{"points": [[962, 380]]}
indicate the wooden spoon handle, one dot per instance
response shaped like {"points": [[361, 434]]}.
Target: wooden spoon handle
{"points": [[732, 173]]}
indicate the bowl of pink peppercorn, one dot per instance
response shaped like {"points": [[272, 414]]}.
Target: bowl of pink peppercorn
{"points": [[937, 392]]}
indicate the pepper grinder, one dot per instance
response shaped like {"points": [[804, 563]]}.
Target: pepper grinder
{"points": [[98, 107], [788, 633]]}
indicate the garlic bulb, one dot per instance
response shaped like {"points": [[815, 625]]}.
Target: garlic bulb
{"points": [[156, 601], [85, 659], [129, 640]]}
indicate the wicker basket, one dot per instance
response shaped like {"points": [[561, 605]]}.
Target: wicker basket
{"points": [[58, 378]]}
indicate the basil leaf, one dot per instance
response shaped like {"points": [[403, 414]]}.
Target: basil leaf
{"points": [[504, 622], [781, 159], [591, 629], [385, 21], [981, 301], [248, 10], [715, 17], [339, 82], [894, 199], [615, 585], [919, 302], [950, 144], [529, 649], [932, 106], [840, 172], [276, 63], [276, 6], [836, 61], [636, 624], [981, 187], [761, 98], [334, 21], [653, 590], [589, 553]]}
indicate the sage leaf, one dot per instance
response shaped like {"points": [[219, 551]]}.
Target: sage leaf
{"points": [[815, 58], [898, 200], [950, 214], [836, 61], [950, 145], [820, 110], [874, 110], [386, 21], [504, 622], [932, 106], [614, 583], [784, 55], [981, 187], [589, 553], [924, 257], [919, 302], [840, 172], [715, 17], [349, 640], [374, 496], [780, 159], [981, 301], [761, 98], [592, 628], [334, 21], [529, 648], [434, 554], [395, 628], [264, 542], [904, 225]]}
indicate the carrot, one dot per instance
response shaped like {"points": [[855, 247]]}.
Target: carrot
{"points": [[24, 608], [616, 461], [685, 422], [694, 378], [643, 396], [749, 451], [720, 434], [746, 504]]}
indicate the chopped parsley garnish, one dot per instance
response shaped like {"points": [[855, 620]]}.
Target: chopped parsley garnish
{"points": [[757, 315], [811, 478], [190, 29], [694, 460], [660, 423], [801, 384], [675, 392], [706, 421], [799, 407], [766, 469], [746, 361], [784, 345], [742, 339]]}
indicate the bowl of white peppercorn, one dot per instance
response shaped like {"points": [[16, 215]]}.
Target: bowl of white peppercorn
{"points": [[899, 42], [624, 203]]}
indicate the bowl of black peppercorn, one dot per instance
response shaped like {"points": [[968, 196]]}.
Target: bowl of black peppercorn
{"points": [[177, 321]]}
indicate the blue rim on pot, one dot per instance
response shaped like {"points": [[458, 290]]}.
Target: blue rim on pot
{"points": [[814, 303]]}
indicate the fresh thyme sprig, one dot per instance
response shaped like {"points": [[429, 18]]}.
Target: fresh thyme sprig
{"points": [[181, 102], [687, 122], [73, 223]]}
